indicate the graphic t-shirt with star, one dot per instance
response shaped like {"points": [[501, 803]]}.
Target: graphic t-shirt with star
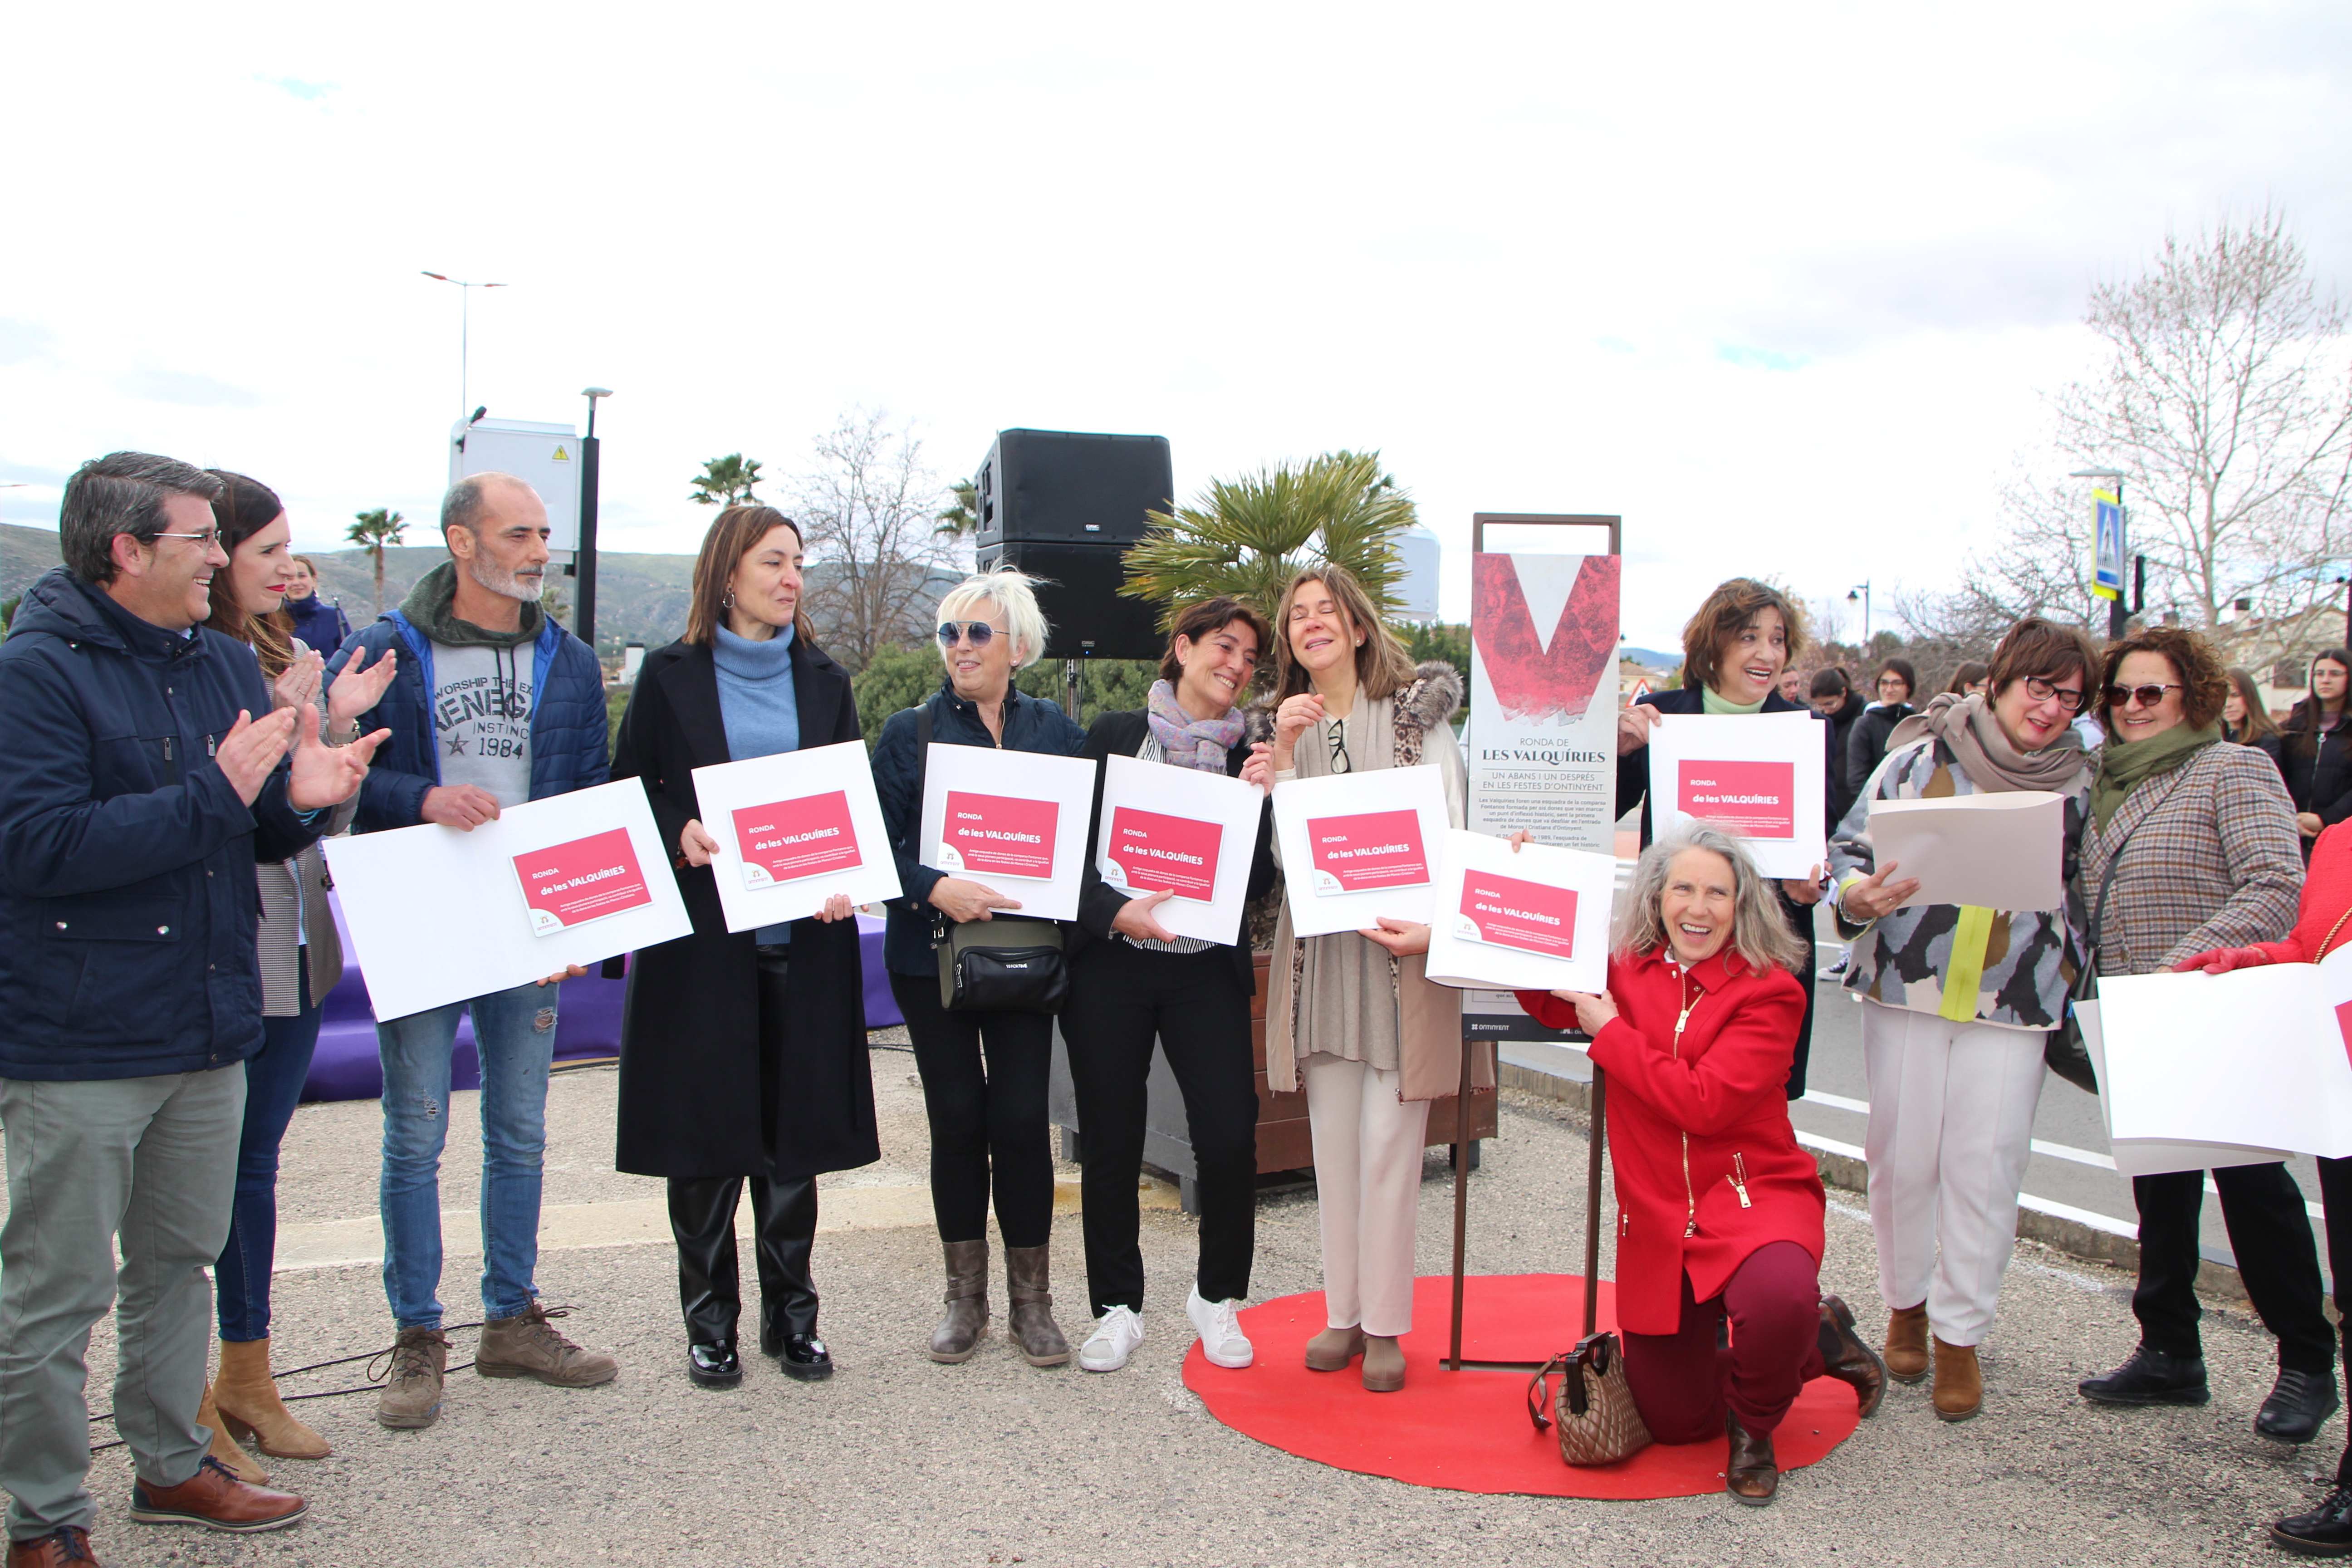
{"points": [[481, 718]]}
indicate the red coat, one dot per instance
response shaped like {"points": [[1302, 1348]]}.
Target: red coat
{"points": [[1700, 1136]]}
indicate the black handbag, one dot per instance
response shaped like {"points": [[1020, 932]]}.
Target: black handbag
{"points": [[1002, 964]]}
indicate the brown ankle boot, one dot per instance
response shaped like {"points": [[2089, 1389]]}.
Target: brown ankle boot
{"points": [[958, 1333], [1383, 1364], [1333, 1349], [1751, 1471], [1907, 1343], [1034, 1331], [240, 1464], [247, 1395], [1959, 1391]]}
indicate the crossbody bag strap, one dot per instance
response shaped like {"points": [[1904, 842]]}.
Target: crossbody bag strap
{"points": [[922, 779], [2106, 884]]}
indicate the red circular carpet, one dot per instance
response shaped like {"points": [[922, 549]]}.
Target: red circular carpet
{"points": [[1468, 1431]]}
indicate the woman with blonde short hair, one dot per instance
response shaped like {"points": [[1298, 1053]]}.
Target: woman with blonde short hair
{"points": [[984, 1073]]}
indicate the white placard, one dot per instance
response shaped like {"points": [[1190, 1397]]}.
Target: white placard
{"points": [[1021, 815], [1372, 851], [2154, 1157], [437, 915], [1191, 832], [2255, 1059], [1996, 851], [1497, 912], [1760, 775], [793, 829]]}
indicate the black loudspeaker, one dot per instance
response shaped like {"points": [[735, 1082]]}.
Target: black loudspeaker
{"points": [[1066, 506]]}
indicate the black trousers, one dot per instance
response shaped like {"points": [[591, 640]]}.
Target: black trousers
{"points": [[1122, 1000], [2269, 1231], [702, 1218], [984, 1079], [2336, 1199]]}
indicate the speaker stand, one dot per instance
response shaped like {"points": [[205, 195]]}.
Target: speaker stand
{"points": [[1070, 689]]}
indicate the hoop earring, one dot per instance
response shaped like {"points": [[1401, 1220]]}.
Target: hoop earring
{"points": [[730, 603]]}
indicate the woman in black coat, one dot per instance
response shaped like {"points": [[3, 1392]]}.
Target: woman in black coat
{"points": [[2316, 748], [1133, 985], [1732, 652], [743, 1054]]}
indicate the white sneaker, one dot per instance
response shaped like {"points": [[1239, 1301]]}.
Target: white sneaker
{"points": [[1113, 1340], [1219, 1326]]}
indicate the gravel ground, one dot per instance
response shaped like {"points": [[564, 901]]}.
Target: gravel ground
{"points": [[899, 1461]]}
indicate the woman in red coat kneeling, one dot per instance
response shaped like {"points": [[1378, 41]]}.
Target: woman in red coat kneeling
{"points": [[1720, 1212]]}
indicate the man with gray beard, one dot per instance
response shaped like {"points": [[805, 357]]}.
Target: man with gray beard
{"points": [[494, 705]]}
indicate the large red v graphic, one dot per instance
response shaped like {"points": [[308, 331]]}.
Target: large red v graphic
{"points": [[1530, 680]]}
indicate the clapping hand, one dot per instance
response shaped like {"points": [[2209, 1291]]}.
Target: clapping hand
{"points": [[358, 689], [298, 683], [324, 776]]}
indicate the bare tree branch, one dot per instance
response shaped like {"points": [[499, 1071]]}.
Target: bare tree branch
{"points": [[870, 507]]}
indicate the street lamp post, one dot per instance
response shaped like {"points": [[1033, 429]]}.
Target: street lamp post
{"points": [[1861, 591], [464, 301], [585, 563]]}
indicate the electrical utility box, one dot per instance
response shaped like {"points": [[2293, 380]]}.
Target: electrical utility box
{"points": [[544, 456]]}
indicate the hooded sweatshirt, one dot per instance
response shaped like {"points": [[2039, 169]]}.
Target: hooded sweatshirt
{"points": [[481, 689]]}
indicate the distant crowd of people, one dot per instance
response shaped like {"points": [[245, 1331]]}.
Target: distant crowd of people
{"points": [[189, 724]]}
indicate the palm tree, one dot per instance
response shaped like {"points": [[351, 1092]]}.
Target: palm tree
{"points": [[372, 532], [726, 481], [963, 517], [1247, 537]]}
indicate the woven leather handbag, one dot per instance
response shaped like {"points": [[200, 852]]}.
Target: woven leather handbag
{"points": [[1593, 1413]]}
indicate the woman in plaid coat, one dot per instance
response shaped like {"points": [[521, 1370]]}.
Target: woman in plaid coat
{"points": [[2199, 838]]}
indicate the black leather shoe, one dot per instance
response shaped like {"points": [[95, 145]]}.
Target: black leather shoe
{"points": [[804, 1356], [2299, 1403], [713, 1366], [2325, 1531], [1845, 1357], [2149, 1377]]}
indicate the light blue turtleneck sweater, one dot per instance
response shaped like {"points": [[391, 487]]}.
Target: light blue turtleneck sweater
{"points": [[757, 707]]}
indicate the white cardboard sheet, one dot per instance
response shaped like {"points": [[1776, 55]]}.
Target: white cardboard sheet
{"points": [[1181, 819], [814, 808], [1022, 813], [1997, 851], [2256, 1058], [2154, 1157], [1479, 939], [1376, 852], [1760, 775], [437, 915]]}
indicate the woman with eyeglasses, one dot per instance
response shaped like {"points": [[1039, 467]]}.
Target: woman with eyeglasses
{"points": [[2316, 749], [1957, 1003], [1733, 647], [301, 960], [2192, 841], [1134, 984], [984, 1072], [1352, 1015]]}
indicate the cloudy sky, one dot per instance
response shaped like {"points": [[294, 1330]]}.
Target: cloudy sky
{"points": [[1783, 286]]}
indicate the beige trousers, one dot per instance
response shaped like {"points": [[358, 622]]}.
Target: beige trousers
{"points": [[1367, 1146]]}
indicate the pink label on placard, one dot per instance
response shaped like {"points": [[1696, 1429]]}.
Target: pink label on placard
{"points": [[586, 879], [786, 840], [1508, 912], [1001, 834], [1372, 849], [2344, 1025], [1154, 852], [1757, 799]]}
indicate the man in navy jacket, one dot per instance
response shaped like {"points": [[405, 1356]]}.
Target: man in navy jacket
{"points": [[493, 705], [137, 790]]}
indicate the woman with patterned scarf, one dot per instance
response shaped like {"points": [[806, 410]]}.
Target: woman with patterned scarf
{"points": [[1132, 982], [1956, 1002]]}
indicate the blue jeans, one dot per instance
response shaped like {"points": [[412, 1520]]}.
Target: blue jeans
{"points": [[273, 1087], [514, 1031]]}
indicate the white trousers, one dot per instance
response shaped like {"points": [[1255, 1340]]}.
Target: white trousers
{"points": [[1367, 1146], [1951, 1117]]}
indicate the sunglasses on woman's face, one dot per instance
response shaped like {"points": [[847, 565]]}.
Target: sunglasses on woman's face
{"points": [[2146, 696], [978, 632]]}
